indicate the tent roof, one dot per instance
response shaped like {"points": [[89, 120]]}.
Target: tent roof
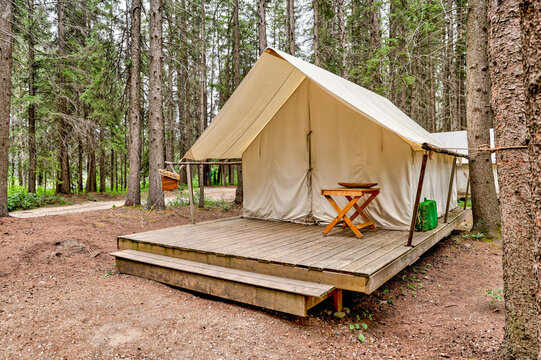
{"points": [[269, 84], [458, 141]]}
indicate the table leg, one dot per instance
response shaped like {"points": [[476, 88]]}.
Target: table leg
{"points": [[342, 214], [359, 210]]}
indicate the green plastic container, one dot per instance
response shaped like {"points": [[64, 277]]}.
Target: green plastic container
{"points": [[427, 216]]}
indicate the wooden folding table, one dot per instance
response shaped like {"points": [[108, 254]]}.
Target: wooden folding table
{"points": [[352, 195]]}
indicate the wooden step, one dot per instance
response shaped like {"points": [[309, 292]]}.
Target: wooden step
{"points": [[267, 291]]}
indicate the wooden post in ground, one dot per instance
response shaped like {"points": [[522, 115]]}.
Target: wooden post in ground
{"points": [[417, 198], [337, 300], [467, 190], [450, 190], [190, 191]]}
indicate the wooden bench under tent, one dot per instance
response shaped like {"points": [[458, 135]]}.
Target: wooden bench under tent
{"points": [[299, 131]]}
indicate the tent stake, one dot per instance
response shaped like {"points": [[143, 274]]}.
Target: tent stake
{"points": [[417, 198], [190, 191], [450, 190], [467, 190]]}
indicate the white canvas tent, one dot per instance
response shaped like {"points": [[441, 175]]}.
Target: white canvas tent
{"points": [[299, 128], [458, 141]]}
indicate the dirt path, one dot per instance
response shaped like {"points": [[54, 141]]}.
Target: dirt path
{"points": [[60, 297], [213, 193]]}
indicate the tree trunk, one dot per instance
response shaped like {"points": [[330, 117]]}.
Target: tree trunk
{"points": [[236, 82], [514, 166], [155, 123], [375, 42], [103, 167], [63, 184], [31, 106], [133, 196], [261, 26], [91, 164], [531, 43], [316, 32], [5, 99], [485, 206], [170, 124], [202, 94], [80, 166], [342, 37], [290, 31]]}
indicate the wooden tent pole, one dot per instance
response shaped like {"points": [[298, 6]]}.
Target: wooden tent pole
{"points": [[190, 191], [450, 190], [467, 190], [417, 198]]}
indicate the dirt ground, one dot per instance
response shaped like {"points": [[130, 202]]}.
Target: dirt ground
{"points": [[61, 298], [96, 201]]}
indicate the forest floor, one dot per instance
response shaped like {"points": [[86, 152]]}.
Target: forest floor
{"points": [[98, 201], [61, 298]]}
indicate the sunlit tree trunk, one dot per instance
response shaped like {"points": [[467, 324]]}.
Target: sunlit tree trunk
{"points": [[485, 206], [133, 196], [155, 123], [31, 106], [261, 26]]}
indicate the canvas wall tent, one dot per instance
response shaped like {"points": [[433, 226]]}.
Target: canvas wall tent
{"points": [[458, 141], [299, 128]]}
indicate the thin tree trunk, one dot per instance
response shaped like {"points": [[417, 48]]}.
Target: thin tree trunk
{"points": [[112, 173], [91, 164], [261, 26], [202, 97], [80, 166], [316, 32], [375, 42], [133, 196], [236, 81], [63, 185], [342, 37], [155, 123], [514, 171], [290, 23], [31, 106], [5, 99], [103, 167], [483, 191]]}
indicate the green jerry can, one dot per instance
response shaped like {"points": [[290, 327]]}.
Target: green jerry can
{"points": [[427, 216]]}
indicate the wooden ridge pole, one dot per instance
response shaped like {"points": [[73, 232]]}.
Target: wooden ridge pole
{"points": [[450, 190], [417, 198]]}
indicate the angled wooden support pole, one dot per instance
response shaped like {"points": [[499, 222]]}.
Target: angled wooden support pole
{"points": [[190, 191], [449, 192], [417, 198]]}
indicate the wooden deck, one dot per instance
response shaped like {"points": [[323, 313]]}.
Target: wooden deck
{"points": [[294, 251]]}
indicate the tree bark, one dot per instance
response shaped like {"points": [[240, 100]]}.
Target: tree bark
{"points": [[133, 196], [202, 91], [5, 99], [261, 26], [290, 31], [236, 82], [531, 43], [63, 184], [342, 37], [316, 32], [375, 42], [80, 165], [155, 123], [91, 164], [514, 167], [103, 167], [31, 106], [484, 200]]}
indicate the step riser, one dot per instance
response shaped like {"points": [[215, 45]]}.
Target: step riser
{"points": [[340, 281], [266, 298]]}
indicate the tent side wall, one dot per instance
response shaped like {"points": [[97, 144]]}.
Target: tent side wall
{"points": [[349, 147]]}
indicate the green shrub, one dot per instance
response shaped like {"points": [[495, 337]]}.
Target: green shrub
{"points": [[20, 199]]}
